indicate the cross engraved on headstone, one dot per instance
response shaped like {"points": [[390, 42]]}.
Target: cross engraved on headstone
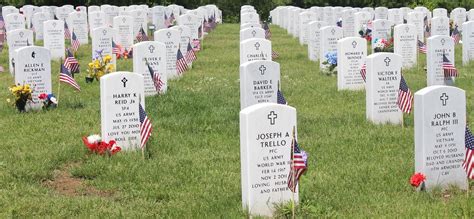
{"points": [[189, 18], [333, 31], [443, 41], [124, 81], [257, 46], [54, 24], [33, 54], [104, 32], [254, 33], [272, 117], [168, 34], [123, 20], [383, 23], [444, 98], [22, 34], [262, 69], [151, 48], [407, 29], [354, 44], [387, 61]]}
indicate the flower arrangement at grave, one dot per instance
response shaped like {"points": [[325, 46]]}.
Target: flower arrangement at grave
{"points": [[99, 66], [383, 45], [366, 33], [49, 101], [417, 180], [22, 95], [330, 64], [96, 145]]}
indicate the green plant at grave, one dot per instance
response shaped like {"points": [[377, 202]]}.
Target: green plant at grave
{"points": [[330, 65]]}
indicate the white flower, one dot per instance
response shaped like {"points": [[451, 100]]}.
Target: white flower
{"points": [[93, 139], [54, 100]]}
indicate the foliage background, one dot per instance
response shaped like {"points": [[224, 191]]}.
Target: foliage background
{"points": [[231, 8]]}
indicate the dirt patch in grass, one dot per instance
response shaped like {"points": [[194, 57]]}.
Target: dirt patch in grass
{"points": [[65, 184]]}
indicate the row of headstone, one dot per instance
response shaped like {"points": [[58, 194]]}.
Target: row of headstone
{"points": [[265, 148], [440, 110]]}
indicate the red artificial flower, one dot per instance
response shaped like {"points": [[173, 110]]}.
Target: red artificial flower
{"points": [[43, 96], [116, 150], [417, 179], [91, 146]]}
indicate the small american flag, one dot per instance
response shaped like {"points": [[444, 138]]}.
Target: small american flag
{"points": [[181, 64], [74, 42], [468, 163], [275, 55], [171, 18], [363, 71], [207, 26], [200, 32], [268, 33], [142, 36], [405, 97], [456, 35], [167, 21], [67, 33], [298, 165], [190, 55], [421, 47], [448, 68], [280, 98], [157, 82], [426, 27], [71, 62], [145, 126], [116, 49], [66, 77], [197, 45]]}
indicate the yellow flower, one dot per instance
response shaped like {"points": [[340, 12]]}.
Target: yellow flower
{"points": [[107, 58], [91, 65]]}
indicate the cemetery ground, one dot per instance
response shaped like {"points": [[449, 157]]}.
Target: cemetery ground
{"points": [[192, 165]]}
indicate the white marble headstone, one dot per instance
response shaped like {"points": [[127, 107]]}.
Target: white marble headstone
{"points": [[328, 42], [265, 145], [436, 46], [34, 68], [314, 45], [120, 95], [440, 122], [123, 26], [259, 82], [351, 54], [383, 82], [467, 42], [154, 53], [171, 38], [405, 44], [54, 38], [16, 39], [255, 49]]}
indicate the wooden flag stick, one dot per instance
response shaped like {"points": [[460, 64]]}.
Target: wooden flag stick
{"points": [[293, 175], [59, 82]]}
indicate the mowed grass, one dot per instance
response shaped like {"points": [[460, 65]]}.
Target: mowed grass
{"points": [[192, 169]]}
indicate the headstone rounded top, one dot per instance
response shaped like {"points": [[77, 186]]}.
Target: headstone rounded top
{"points": [[263, 106]]}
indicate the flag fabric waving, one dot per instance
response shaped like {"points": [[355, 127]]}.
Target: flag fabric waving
{"points": [[298, 164], [155, 77], [468, 163], [405, 97], [268, 33], [280, 98], [71, 62], [448, 68], [181, 64], [275, 55], [363, 71], [142, 36], [74, 42], [456, 35], [145, 126], [66, 77], [421, 47], [197, 45], [67, 33], [190, 55], [116, 49]]}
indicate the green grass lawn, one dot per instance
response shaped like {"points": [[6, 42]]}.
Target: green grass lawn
{"points": [[356, 169]]}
